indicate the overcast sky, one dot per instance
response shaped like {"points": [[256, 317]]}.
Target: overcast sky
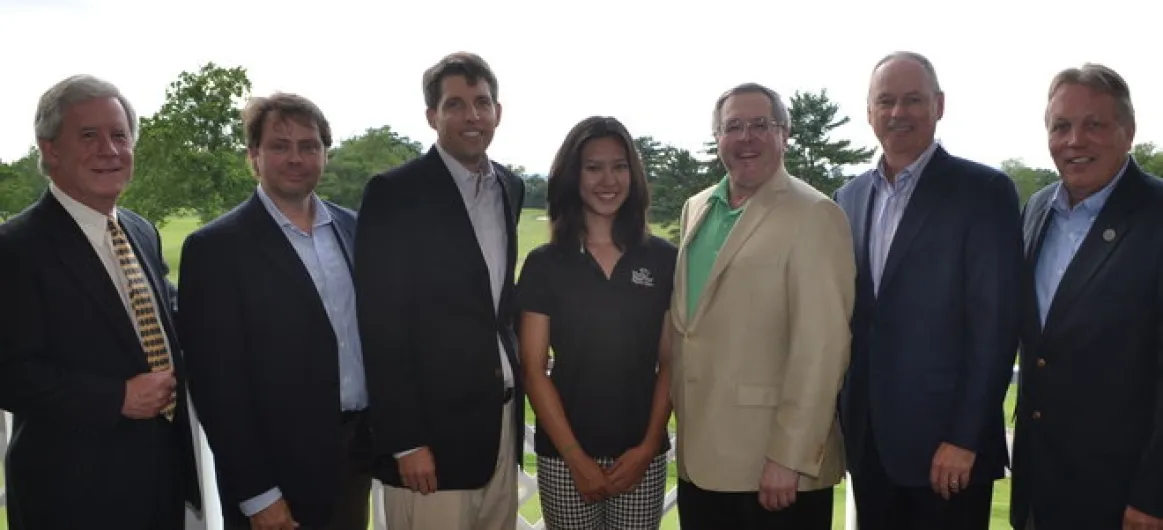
{"points": [[656, 65]]}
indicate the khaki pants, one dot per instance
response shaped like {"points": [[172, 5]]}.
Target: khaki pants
{"points": [[493, 507]]}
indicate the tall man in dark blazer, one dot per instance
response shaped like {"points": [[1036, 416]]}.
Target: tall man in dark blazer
{"points": [[1088, 450], [268, 313], [90, 365], [938, 246], [436, 247]]}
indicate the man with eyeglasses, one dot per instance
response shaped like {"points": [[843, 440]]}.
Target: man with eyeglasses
{"points": [[939, 246], [764, 288]]}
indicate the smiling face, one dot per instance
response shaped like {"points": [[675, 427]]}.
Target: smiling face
{"points": [[904, 107], [1088, 139], [605, 176], [751, 144], [91, 157], [291, 157], [465, 118]]}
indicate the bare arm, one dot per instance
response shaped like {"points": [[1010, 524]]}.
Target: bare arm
{"points": [[660, 407], [542, 394]]}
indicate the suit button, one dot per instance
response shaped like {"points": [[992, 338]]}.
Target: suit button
{"points": [[499, 373], [1037, 415], [1041, 363]]}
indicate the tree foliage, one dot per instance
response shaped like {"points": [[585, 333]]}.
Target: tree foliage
{"points": [[1028, 180], [357, 159], [191, 156], [812, 154], [21, 183]]}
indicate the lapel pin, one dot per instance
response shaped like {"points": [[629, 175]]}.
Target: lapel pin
{"points": [[1108, 235]]}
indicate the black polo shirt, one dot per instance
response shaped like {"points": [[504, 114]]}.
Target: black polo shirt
{"points": [[604, 335]]}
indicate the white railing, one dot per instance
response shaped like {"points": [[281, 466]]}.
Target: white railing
{"points": [[211, 516]]}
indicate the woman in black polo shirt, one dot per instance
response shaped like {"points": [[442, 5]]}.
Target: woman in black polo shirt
{"points": [[598, 293]]}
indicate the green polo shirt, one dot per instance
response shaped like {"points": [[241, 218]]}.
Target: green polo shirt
{"points": [[706, 242]]}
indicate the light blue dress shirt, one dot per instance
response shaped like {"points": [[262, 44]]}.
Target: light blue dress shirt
{"points": [[1068, 228], [888, 208], [323, 256]]}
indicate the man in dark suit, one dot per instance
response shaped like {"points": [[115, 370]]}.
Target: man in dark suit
{"points": [[436, 246], [90, 365], [1088, 449], [268, 313], [938, 245]]}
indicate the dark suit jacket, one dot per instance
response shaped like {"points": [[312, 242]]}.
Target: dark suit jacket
{"points": [[264, 361], [428, 326], [932, 355], [67, 348], [1089, 438]]}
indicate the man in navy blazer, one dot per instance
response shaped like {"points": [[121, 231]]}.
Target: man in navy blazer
{"points": [[1088, 447], [268, 318], [938, 246]]}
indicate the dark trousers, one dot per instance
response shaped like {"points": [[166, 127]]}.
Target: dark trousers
{"points": [[699, 509], [352, 506], [883, 505]]}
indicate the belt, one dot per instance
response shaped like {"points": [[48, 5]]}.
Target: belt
{"points": [[508, 396], [349, 416]]}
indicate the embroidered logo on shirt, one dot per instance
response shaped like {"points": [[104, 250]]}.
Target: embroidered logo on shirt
{"points": [[642, 277]]}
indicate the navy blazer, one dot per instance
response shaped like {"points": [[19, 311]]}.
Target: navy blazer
{"points": [[428, 323], [932, 354], [67, 348], [1089, 437], [264, 361]]}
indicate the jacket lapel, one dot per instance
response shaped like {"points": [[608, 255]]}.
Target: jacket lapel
{"points": [[344, 232], [452, 207], [695, 215], [1109, 229], [862, 210], [757, 209], [931, 187], [272, 242], [76, 255]]}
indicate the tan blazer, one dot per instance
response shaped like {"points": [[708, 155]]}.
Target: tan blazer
{"points": [[757, 368]]}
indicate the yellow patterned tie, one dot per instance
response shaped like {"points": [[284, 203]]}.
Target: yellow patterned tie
{"points": [[149, 327]]}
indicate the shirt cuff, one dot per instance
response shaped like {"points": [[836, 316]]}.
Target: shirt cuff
{"points": [[261, 502], [402, 454]]}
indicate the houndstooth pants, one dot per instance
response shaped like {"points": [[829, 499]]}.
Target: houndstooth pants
{"points": [[563, 508]]}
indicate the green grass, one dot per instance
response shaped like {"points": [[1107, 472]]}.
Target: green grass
{"points": [[532, 231]]}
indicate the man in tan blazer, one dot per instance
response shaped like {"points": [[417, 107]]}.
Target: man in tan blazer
{"points": [[764, 288]]}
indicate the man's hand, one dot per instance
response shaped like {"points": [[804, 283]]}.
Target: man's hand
{"points": [[627, 471], [950, 471], [592, 483], [274, 517], [418, 470], [146, 395], [1135, 520], [777, 486]]}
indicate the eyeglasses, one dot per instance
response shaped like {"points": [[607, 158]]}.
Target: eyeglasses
{"points": [[759, 126]]}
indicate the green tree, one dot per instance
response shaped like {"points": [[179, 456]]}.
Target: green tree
{"points": [[714, 165], [1149, 157], [536, 191], [1028, 180], [678, 175], [812, 155], [360, 157], [191, 156], [21, 183]]}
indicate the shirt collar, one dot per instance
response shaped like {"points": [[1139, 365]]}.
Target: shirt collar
{"points": [[910, 171], [462, 175], [1060, 201], [93, 223], [721, 192], [322, 215]]}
